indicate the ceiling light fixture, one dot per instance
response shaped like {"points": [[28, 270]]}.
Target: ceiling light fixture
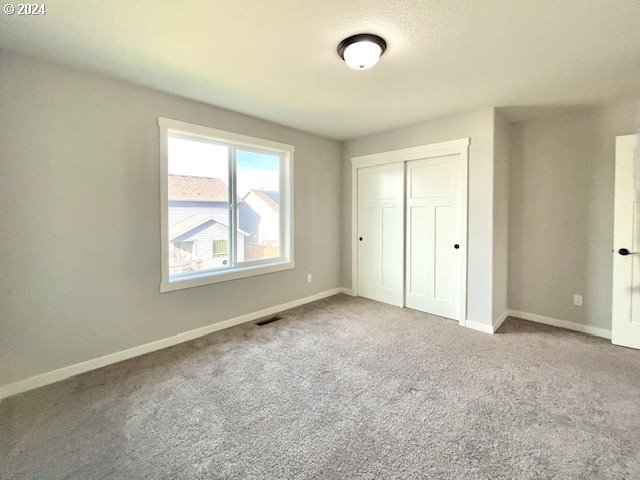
{"points": [[362, 51]]}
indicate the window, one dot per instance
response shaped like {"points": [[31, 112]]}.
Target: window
{"points": [[221, 248], [226, 205]]}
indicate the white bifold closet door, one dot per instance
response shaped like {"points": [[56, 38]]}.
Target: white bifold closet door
{"points": [[433, 239], [381, 233]]}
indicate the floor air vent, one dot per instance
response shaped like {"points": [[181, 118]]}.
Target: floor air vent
{"points": [[266, 321]]}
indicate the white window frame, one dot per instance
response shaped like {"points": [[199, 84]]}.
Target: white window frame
{"points": [[232, 140]]}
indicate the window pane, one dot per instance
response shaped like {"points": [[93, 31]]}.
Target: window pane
{"points": [[198, 195], [258, 186], [220, 248]]}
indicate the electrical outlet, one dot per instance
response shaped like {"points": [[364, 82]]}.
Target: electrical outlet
{"points": [[577, 300], [309, 278]]}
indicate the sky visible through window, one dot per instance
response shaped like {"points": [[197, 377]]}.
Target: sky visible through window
{"points": [[259, 171]]}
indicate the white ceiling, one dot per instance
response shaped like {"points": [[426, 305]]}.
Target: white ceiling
{"points": [[277, 60]]}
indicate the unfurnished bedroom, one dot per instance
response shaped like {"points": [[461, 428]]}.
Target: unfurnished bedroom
{"points": [[320, 240]]}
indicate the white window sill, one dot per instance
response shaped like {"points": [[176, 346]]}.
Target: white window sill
{"points": [[207, 278]]}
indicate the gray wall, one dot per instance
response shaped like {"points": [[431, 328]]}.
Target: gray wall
{"points": [[478, 125], [501, 148], [80, 219], [561, 212]]}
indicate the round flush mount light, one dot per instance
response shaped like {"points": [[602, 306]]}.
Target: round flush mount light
{"points": [[362, 51]]}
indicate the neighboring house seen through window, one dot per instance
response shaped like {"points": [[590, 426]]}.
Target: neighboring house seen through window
{"points": [[226, 205]]}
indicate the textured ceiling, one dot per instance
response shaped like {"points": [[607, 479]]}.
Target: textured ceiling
{"points": [[277, 60]]}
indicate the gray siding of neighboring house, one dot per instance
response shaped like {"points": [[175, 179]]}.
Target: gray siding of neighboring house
{"points": [[205, 234], [180, 210], [249, 222]]}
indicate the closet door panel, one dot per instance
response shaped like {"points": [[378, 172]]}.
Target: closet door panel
{"points": [[432, 262], [444, 274], [419, 265], [381, 233]]}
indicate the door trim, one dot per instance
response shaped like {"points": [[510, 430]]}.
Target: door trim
{"points": [[452, 147]]}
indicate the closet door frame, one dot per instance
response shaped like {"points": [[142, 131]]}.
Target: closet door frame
{"points": [[452, 147]]}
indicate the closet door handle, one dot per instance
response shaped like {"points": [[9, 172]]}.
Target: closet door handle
{"points": [[456, 246], [624, 252], [360, 238]]}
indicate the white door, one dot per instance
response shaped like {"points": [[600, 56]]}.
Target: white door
{"points": [[625, 315], [380, 233], [436, 235]]}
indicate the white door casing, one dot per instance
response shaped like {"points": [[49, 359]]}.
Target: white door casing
{"points": [[454, 147], [625, 314], [380, 237], [433, 242]]}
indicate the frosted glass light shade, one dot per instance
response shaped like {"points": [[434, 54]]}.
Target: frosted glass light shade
{"points": [[362, 51], [362, 55]]}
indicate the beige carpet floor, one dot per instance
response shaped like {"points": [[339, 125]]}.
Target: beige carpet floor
{"points": [[338, 389]]}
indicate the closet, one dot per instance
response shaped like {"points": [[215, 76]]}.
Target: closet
{"points": [[410, 227]]}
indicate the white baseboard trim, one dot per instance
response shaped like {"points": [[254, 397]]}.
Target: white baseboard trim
{"points": [[556, 322], [348, 291], [78, 368], [499, 320], [481, 327]]}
